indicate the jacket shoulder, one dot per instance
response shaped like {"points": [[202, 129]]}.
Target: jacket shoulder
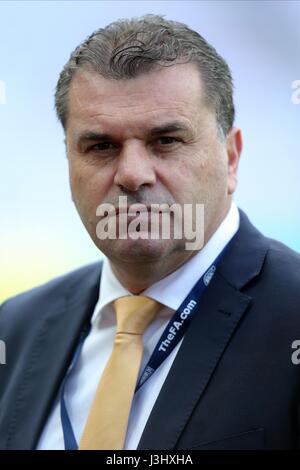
{"points": [[32, 300], [277, 289], [284, 262]]}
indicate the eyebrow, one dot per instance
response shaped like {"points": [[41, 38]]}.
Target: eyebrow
{"points": [[175, 126], [170, 127]]}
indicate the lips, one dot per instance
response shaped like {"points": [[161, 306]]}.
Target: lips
{"points": [[135, 210], [129, 210], [130, 214]]}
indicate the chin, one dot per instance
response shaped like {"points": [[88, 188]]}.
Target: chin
{"points": [[137, 251]]}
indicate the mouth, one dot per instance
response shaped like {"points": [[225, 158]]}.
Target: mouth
{"points": [[156, 219], [137, 209]]}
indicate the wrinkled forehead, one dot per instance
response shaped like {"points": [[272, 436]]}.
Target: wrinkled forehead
{"points": [[176, 90]]}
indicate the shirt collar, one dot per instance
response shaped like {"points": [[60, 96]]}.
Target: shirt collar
{"points": [[172, 289]]}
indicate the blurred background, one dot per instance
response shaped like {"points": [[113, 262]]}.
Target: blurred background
{"points": [[41, 235]]}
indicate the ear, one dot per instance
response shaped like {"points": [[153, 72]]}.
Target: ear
{"points": [[67, 156], [66, 146], [234, 145]]}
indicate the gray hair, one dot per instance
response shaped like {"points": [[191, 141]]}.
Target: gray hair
{"points": [[129, 47]]}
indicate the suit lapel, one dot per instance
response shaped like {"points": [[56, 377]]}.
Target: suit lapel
{"points": [[50, 355], [221, 308]]}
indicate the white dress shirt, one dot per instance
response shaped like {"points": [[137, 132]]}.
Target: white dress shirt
{"points": [[83, 380]]}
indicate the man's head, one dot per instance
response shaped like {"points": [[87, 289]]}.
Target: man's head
{"points": [[147, 109], [128, 48]]}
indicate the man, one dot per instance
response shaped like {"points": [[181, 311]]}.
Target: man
{"points": [[146, 106]]}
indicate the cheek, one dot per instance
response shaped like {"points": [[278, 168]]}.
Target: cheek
{"points": [[88, 185], [202, 178], [175, 178], [182, 177], [77, 185], [76, 175]]}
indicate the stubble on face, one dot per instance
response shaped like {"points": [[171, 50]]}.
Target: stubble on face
{"points": [[193, 172]]}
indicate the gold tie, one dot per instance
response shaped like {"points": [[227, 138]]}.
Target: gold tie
{"points": [[107, 421]]}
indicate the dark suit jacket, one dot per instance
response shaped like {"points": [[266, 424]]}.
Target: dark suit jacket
{"points": [[232, 385]]}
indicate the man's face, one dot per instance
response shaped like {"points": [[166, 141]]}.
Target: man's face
{"points": [[159, 144]]}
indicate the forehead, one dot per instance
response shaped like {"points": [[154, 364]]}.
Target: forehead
{"points": [[175, 91]]}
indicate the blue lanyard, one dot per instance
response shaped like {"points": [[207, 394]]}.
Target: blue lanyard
{"points": [[171, 336]]}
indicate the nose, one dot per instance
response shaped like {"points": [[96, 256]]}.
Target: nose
{"points": [[135, 167]]}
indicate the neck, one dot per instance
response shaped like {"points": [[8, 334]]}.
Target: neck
{"points": [[138, 277]]}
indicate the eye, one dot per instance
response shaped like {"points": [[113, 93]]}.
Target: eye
{"points": [[101, 146], [166, 140]]}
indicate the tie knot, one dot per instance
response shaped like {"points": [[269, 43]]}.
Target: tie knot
{"points": [[134, 313]]}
